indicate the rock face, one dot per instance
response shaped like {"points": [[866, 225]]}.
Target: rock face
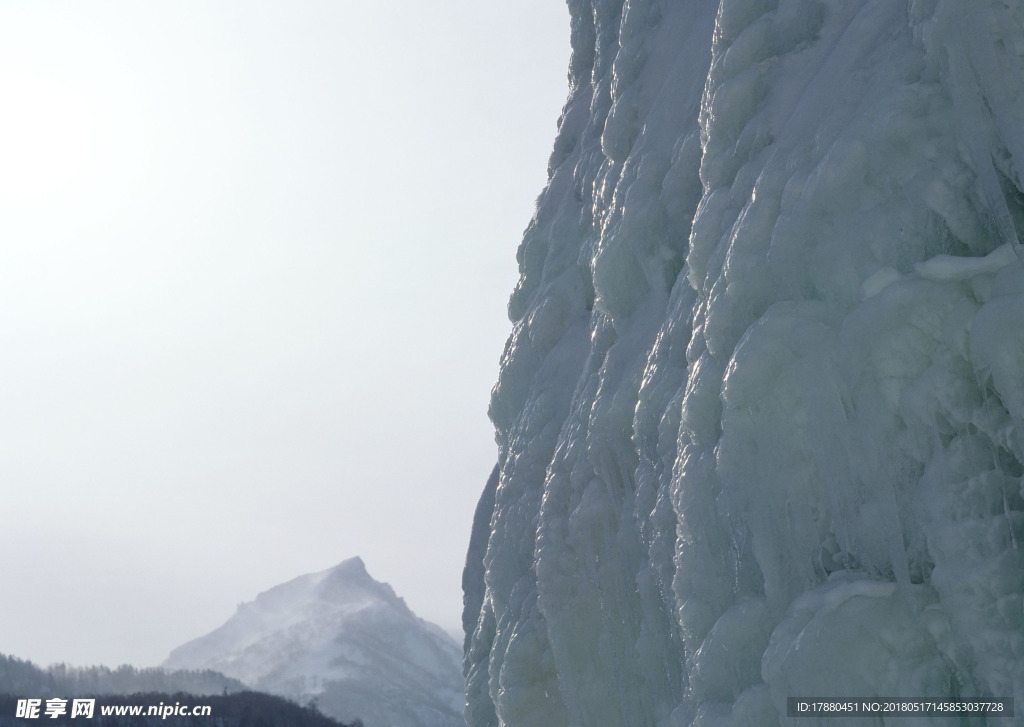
{"points": [[344, 639], [761, 414]]}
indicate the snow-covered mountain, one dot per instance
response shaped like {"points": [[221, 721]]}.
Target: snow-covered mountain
{"points": [[761, 414], [344, 639]]}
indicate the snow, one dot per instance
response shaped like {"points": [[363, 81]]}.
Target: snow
{"points": [[760, 414], [344, 639]]}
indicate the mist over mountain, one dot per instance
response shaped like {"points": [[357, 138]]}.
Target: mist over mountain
{"points": [[22, 677], [344, 641], [761, 414]]}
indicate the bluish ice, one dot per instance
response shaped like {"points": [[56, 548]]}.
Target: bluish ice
{"points": [[760, 414]]}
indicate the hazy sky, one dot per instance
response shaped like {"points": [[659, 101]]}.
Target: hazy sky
{"points": [[254, 261]]}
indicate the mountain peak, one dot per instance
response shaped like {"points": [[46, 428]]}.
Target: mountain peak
{"points": [[351, 565], [352, 570], [345, 638], [349, 582]]}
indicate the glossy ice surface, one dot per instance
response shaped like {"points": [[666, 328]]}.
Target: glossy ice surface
{"points": [[760, 414]]}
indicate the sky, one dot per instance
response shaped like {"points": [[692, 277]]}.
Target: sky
{"points": [[254, 264]]}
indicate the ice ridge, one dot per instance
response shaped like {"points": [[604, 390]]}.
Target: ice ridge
{"points": [[760, 413]]}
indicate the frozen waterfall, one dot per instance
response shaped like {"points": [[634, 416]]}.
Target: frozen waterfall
{"points": [[760, 414]]}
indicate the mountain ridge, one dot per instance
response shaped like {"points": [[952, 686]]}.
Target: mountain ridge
{"points": [[343, 639]]}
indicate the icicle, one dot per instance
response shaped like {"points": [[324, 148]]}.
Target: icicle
{"points": [[971, 107]]}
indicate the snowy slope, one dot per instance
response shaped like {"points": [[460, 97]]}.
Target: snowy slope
{"points": [[345, 639], [760, 414]]}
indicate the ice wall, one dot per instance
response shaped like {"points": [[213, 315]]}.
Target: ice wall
{"points": [[760, 413]]}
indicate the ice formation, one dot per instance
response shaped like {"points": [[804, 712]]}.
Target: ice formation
{"points": [[760, 414], [343, 639]]}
